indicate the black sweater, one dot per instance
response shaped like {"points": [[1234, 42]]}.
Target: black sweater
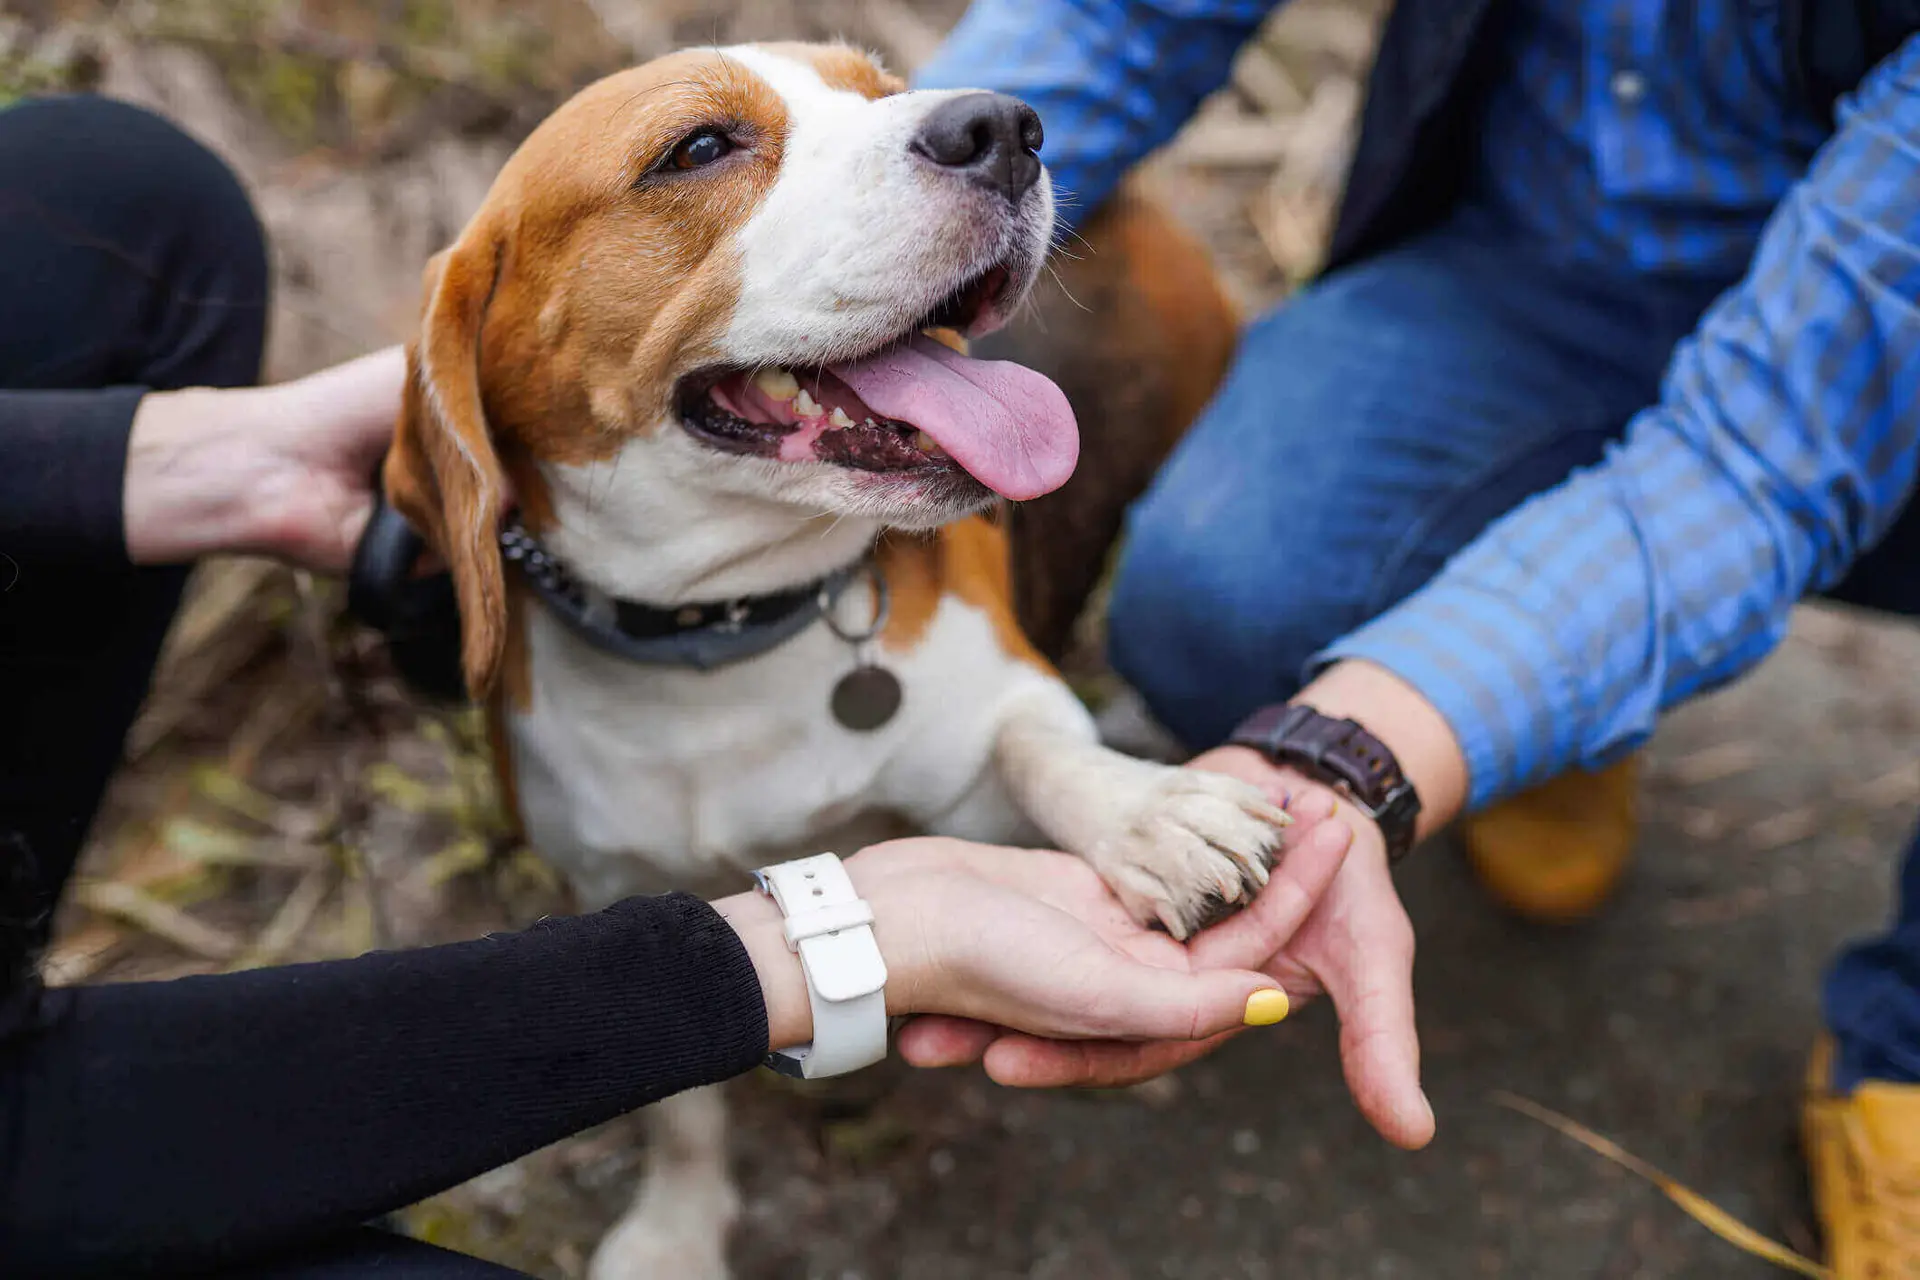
{"points": [[173, 1127]]}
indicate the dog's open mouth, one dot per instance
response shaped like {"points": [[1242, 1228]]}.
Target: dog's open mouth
{"points": [[914, 407]]}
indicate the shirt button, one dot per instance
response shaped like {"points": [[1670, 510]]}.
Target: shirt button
{"points": [[1628, 87]]}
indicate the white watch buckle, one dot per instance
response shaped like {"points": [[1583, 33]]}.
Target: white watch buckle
{"points": [[829, 926]]}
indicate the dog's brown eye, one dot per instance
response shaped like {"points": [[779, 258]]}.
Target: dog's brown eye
{"points": [[700, 149]]}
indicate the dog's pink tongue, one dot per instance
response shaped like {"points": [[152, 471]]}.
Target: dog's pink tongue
{"points": [[1011, 428]]}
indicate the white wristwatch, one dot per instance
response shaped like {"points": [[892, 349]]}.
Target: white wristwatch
{"points": [[830, 926]]}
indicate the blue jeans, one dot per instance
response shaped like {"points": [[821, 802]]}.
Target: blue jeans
{"points": [[1370, 428]]}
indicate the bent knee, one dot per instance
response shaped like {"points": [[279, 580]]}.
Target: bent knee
{"points": [[161, 258], [92, 156]]}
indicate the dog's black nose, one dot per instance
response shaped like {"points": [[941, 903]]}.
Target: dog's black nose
{"points": [[989, 137]]}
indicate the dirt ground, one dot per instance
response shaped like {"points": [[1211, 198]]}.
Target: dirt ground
{"points": [[284, 799]]}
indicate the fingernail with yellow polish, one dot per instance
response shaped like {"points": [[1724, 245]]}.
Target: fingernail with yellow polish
{"points": [[1264, 1008]]}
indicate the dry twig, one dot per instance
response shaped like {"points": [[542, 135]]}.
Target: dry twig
{"points": [[1695, 1205], [163, 920]]}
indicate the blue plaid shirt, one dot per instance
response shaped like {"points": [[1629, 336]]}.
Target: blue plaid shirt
{"points": [[1646, 136]]}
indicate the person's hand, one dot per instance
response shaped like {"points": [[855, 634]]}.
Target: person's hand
{"points": [[285, 471], [1356, 945], [1353, 941], [1023, 939], [1312, 854]]}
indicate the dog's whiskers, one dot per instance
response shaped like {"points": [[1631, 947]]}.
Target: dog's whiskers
{"points": [[1063, 289]]}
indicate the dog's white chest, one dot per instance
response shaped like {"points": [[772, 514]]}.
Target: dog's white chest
{"points": [[634, 778]]}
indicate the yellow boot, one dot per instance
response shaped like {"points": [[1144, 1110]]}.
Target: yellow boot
{"points": [[1863, 1156], [1555, 853]]}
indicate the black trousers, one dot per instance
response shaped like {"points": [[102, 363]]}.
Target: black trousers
{"points": [[130, 257], [377, 1255]]}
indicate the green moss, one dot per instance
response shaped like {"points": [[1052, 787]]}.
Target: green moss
{"points": [[31, 77], [509, 59], [290, 88], [502, 53], [427, 21]]}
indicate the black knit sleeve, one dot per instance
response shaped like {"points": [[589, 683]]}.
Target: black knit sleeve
{"points": [[176, 1126], [63, 472]]}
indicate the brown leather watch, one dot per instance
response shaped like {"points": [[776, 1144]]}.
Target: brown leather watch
{"points": [[1344, 756]]}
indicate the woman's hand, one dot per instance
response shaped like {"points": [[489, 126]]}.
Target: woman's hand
{"points": [[285, 471], [1021, 939], [1349, 939]]}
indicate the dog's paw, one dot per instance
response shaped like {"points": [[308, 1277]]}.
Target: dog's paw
{"points": [[1193, 850], [677, 1229]]}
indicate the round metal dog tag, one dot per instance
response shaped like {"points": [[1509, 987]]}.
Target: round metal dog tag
{"points": [[866, 698]]}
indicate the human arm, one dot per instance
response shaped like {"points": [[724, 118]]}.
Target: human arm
{"points": [[1021, 938], [63, 455], [163, 477], [284, 470], [189, 1124], [1783, 444], [1111, 79]]}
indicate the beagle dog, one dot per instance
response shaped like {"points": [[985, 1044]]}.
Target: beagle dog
{"points": [[701, 354]]}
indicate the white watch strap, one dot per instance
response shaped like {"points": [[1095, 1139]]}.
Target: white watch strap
{"points": [[829, 924]]}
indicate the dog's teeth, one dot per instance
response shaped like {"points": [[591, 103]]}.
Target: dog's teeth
{"points": [[839, 417], [925, 443], [806, 406], [778, 384], [869, 423]]}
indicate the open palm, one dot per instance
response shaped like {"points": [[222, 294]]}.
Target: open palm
{"points": [[1030, 939], [1330, 925]]}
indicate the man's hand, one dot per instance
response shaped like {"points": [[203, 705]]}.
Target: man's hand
{"points": [[1345, 934], [285, 471], [1356, 946]]}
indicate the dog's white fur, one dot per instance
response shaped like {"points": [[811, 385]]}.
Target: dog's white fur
{"points": [[635, 778], [859, 236]]}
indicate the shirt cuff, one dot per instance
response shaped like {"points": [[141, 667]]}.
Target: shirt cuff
{"points": [[63, 474], [1481, 661]]}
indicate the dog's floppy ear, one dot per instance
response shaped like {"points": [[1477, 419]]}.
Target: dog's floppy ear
{"points": [[443, 473]]}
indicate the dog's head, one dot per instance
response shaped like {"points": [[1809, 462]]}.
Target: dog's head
{"points": [[701, 289]]}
